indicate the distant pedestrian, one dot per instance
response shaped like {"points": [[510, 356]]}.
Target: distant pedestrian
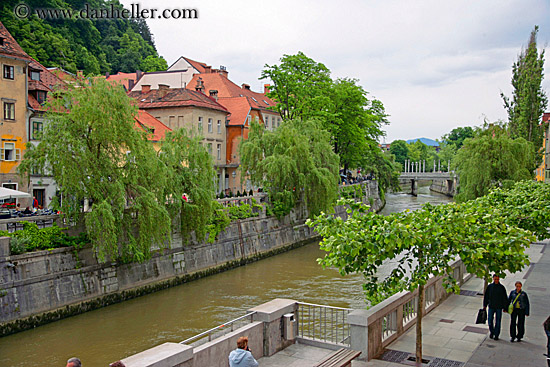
{"points": [[34, 203], [495, 297], [241, 357], [519, 302], [546, 326], [74, 362]]}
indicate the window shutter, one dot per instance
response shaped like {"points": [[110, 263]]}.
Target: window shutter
{"points": [[17, 154], [2, 154]]}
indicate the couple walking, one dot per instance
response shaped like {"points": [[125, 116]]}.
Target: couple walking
{"points": [[517, 304]]}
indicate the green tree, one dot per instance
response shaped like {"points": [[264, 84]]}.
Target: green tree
{"points": [[153, 63], [418, 151], [400, 149], [457, 136], [190, 171], [94, 152], [529, 99], [294, 162], [423, 243], [492, 159], [300, 87]]}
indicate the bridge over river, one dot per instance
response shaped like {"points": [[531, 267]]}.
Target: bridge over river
{"points": [[416, 171]]}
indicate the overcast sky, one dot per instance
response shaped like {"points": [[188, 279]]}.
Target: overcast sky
{"points": [[435, 65]]}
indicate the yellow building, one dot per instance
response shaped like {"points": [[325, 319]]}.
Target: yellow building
{"points": [[13, 99]]}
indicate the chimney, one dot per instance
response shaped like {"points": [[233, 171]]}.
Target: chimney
{"points": [[266, 88], [163, 90], [139, 73], [200, 86], [245, 86], [208, 69], [131, 84], [145, 88], [80, 73], [214, 94], [107, 75], [223, 73]]}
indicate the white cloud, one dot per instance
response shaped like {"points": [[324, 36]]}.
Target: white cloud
{"points": [[434, 64]]}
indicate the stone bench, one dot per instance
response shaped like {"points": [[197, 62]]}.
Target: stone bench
{"points": [[340, 358]]}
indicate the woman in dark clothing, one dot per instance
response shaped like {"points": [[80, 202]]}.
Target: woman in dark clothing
{"points": [[519, 300], [546, 326]]}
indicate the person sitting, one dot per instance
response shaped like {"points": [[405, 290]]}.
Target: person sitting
{"points": [[18, 207], [27, 211], [241, 357]]}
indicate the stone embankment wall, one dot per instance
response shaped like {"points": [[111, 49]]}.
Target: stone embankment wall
{"points": [[44, 286], [442, 188]]}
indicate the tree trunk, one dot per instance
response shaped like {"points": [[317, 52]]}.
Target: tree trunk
{"points": [[419, 316]]}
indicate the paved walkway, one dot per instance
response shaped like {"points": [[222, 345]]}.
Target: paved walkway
{"points": [[450, 334]]}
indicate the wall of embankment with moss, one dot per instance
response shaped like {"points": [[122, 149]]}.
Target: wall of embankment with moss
{"points": [[44, 286]]}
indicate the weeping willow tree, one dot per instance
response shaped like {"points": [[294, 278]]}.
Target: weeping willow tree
{"points": [[190, 171], [294, 162], [492, 159], [94, 152]]}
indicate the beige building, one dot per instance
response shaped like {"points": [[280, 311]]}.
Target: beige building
{"points": [[182, 108], [13, 99]]}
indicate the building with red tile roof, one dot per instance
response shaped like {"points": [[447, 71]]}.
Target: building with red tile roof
{"points": [[244, 106], [127, 80], [182, 108]]}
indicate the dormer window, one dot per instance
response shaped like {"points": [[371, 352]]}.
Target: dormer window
{"points": [[40, 96], [8, 72], [1, 41], [35, 75]]}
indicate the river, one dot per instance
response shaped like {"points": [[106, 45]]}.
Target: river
{"points": [[117, 331]]}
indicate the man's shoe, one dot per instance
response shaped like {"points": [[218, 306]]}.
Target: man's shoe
{"points": [[491, 336], [496, 338], [512, 340], [546, 355], [519, 339]]}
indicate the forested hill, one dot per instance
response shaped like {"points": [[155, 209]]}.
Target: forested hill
{"points": [[96, 46]]}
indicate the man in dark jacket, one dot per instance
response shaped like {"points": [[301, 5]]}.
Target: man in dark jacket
{"points": [[519, 300], [497, 300]]}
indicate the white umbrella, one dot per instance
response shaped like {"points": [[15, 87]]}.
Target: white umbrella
{"points": [[6, 193]]}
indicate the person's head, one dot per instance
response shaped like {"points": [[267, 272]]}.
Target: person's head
{"points": [[74, 362], [242, 342], [518, 286], [496, 279]]}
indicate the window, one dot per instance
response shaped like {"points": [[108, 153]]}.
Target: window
{"points": [[35, 75], [41, 96], [9, 153], [200, 125], [9, 111], [8, 72], [180, 121], [219, 126], [219, 151], [209, 125], [210, 148], [273, 121], [37, 127], [278, 121]]}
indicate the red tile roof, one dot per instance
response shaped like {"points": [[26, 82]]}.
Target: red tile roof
{"points": [[200, 66], [239, 108], [146, 122], [174, 97], [10, 47], [122, 78], [226, 88]]}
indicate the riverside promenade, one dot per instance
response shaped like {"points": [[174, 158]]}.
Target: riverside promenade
{"points": [[450, 336]]}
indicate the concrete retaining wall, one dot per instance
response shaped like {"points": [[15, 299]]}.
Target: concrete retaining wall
{"points": [[442, 188], [45, 286]]}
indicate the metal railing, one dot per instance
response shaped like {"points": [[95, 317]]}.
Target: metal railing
{"points": [[324, 323], [219, 330]]}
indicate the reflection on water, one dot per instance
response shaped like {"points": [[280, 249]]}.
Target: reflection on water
{"points": [[108, 334]]}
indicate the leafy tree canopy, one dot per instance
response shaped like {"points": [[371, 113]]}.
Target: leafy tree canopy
{"points": [[92, 149], [489, 235], [294, 162], [304, 90], [96, 46], [529, 99], [457, 136], [492, 159], [400, 149]]}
